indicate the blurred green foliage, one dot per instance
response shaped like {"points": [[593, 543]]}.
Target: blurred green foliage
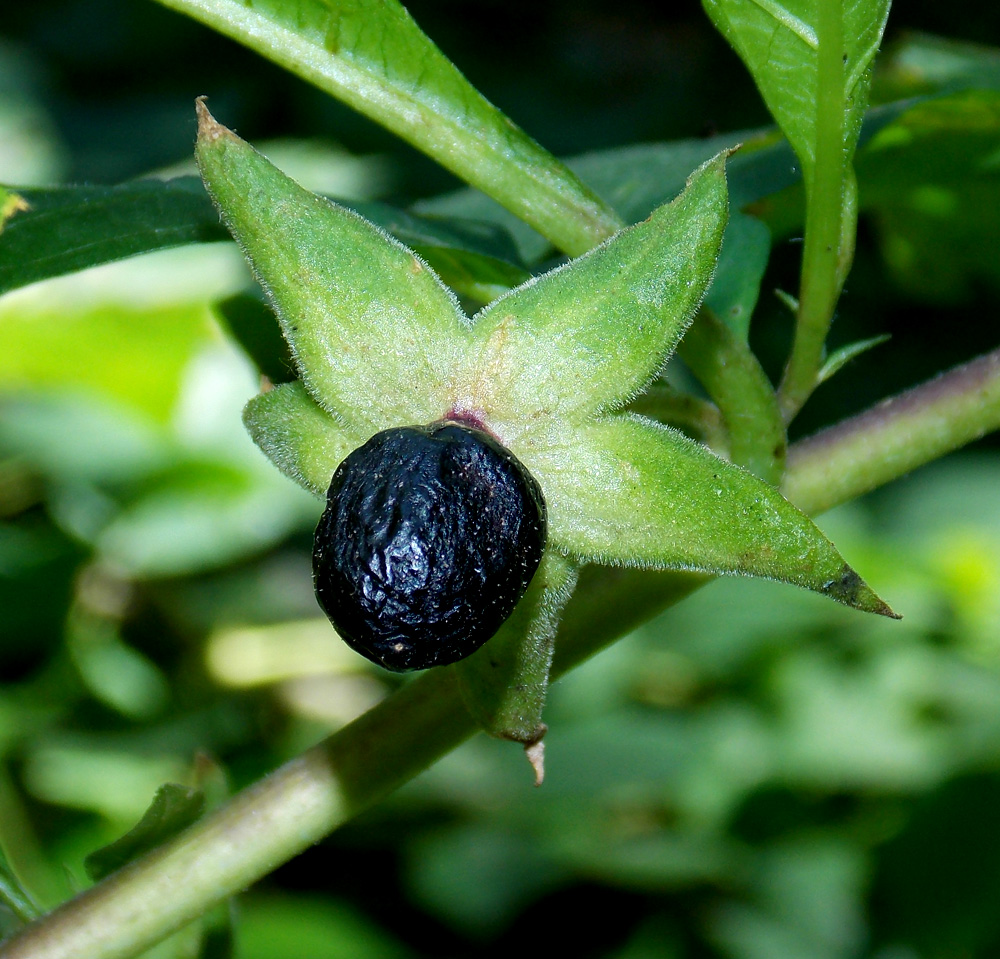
{"points": [[756, 774]]}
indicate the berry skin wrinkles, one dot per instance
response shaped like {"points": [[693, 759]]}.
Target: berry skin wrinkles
{"points": [[430, 536]]}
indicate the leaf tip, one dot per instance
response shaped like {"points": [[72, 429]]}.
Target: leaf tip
{"points": [[209, 129], [851, 589]]}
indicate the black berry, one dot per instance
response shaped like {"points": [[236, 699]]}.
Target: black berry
{"points": [[430, 536]]}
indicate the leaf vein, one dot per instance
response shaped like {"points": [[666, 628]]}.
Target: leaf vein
{"points": [[789, 21]]}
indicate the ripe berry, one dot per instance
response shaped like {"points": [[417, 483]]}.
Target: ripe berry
{"points": [[430, 536]]}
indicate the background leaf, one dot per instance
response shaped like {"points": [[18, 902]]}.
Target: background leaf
{"points": [[931, 180], [65, 229], [779, 42], [71, 228]]}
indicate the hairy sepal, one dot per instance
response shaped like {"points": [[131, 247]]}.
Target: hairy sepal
{"points": [[297, 435], [590, 335], [504, 683], [625, 490], [361, 313]]}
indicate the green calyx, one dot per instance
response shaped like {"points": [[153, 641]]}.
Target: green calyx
{"points": [[379, 342]]}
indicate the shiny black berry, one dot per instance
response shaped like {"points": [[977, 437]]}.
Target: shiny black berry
{"points": [[430, 536]]}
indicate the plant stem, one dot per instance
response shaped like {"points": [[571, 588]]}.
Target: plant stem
{"points": [[900, 434], [733, 377], [308, 797], [829, 202]]}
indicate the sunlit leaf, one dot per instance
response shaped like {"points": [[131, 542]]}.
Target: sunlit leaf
{"points": [[780, 40]]}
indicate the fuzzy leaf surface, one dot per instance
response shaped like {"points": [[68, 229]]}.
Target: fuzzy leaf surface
{"points": [[625, 490], [299, 437], [504, 683]]}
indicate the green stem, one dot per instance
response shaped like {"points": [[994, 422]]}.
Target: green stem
{"points": [[373, 57], [733, 377], [829, 220], [900, 434], [305, 799]]}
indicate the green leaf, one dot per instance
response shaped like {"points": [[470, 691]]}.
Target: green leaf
{"points": [[920, 63], [635, 180], [71, 228], [64, 229], [593, 333], [840, 357], [173, 808], [374, 57], [780, 42], [300, 438], [733, 294], [625, 490], [361, 312], [931, 183]]}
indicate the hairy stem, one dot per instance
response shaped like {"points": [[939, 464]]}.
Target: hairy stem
{"points": [[900, 434], [733, 377], [305, 799]]}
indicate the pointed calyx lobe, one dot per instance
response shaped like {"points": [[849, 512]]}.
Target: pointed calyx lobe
{"points": [[381, 344], [590, 335]]}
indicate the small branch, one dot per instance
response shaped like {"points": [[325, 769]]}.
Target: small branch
{"points": [[893, 438], [305, 799], [733, 377]]}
